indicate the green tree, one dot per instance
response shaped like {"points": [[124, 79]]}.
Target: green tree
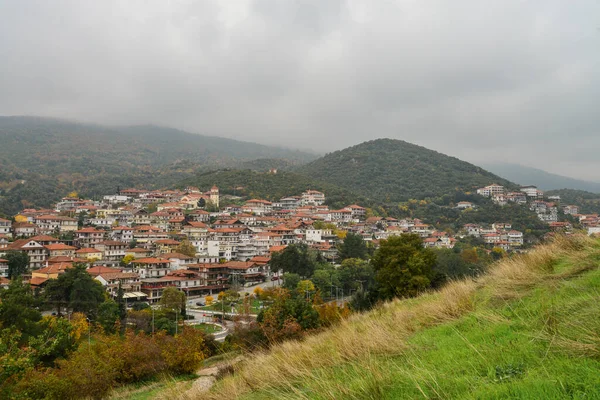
{"points": [[403, 268], [297, 259], [18, 309], [173, 300], [75, 289], [18, 263], [108, 315], [353, 246], [325, 280], [290, 281], [356, 273]]}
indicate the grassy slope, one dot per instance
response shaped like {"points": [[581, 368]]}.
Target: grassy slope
{"points": [[529, 329]]}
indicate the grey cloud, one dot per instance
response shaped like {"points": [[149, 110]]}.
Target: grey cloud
{"points": [[485, 81]]}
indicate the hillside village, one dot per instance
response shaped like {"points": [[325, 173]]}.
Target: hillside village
{"points": [[146, 241]]}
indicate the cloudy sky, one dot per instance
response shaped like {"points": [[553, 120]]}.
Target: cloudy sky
{"points": [[517, 81]]}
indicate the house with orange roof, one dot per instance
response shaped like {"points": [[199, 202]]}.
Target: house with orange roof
{"points": [[88, 237], [89, 253], [138, 252], [34, 250], [258, 207], [49, 224], [51, 271], [129, 282], [24, 229], [312, 197], [60, 249], [151, 267]]}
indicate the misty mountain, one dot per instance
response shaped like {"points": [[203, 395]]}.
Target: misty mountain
{"points": [[42, 159], [542, 179]]}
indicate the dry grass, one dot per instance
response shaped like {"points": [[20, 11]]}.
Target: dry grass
{"points": [[385, 330]]}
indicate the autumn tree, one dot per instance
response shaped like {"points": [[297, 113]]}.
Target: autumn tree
{"points": [[403, 267], [185, 247]]}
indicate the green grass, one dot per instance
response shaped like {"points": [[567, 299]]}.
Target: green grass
{"points": [[529, 332], [207, 328], [239, 307]]}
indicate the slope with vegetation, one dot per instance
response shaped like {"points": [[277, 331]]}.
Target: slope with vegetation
{"points": [[393, 170], [42, 159], [526, 329], [542, 179], [253, 184]]}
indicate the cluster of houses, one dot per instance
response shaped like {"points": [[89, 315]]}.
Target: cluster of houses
{"points": [[546, 208], [144, 241]]}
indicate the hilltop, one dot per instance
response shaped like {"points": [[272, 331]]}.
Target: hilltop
{"points": [[42, 159], [526, 329], [394, 170]]}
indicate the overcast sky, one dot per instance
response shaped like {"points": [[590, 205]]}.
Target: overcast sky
{"points": [[515, 81]]}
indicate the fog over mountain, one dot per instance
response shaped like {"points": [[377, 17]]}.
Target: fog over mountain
{"points": [[508, 81]]}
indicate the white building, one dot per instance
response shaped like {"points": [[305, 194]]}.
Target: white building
{"points": [[312, 198]]}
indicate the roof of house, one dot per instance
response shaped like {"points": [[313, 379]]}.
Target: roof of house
{"points": [[99, 270], [59, 246], [151, 260]]}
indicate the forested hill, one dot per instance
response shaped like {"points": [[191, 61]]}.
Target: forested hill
{"points": [[53, 157], [394, 170]]}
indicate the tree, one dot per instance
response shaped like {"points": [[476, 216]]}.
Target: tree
{"points": [[324, 280], [77, 290], [127, 260], [209, 300], [353, 246], [17, 309], [201, 203], [173, 299], [108, 315], [297, 259], [403, 267], [305, 286], [18, 263], [356, 273], [186, 248], [290, 281]]}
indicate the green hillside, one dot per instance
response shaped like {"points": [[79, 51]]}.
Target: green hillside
{"points": [[528, 329], [394, 170], [53, 157], [589, 203]]}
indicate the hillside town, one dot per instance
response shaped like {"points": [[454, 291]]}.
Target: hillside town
{"points": [[145, 241]]}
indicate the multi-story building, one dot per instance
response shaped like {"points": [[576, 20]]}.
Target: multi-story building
{"points": [[313, 198], [88, 237]]}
